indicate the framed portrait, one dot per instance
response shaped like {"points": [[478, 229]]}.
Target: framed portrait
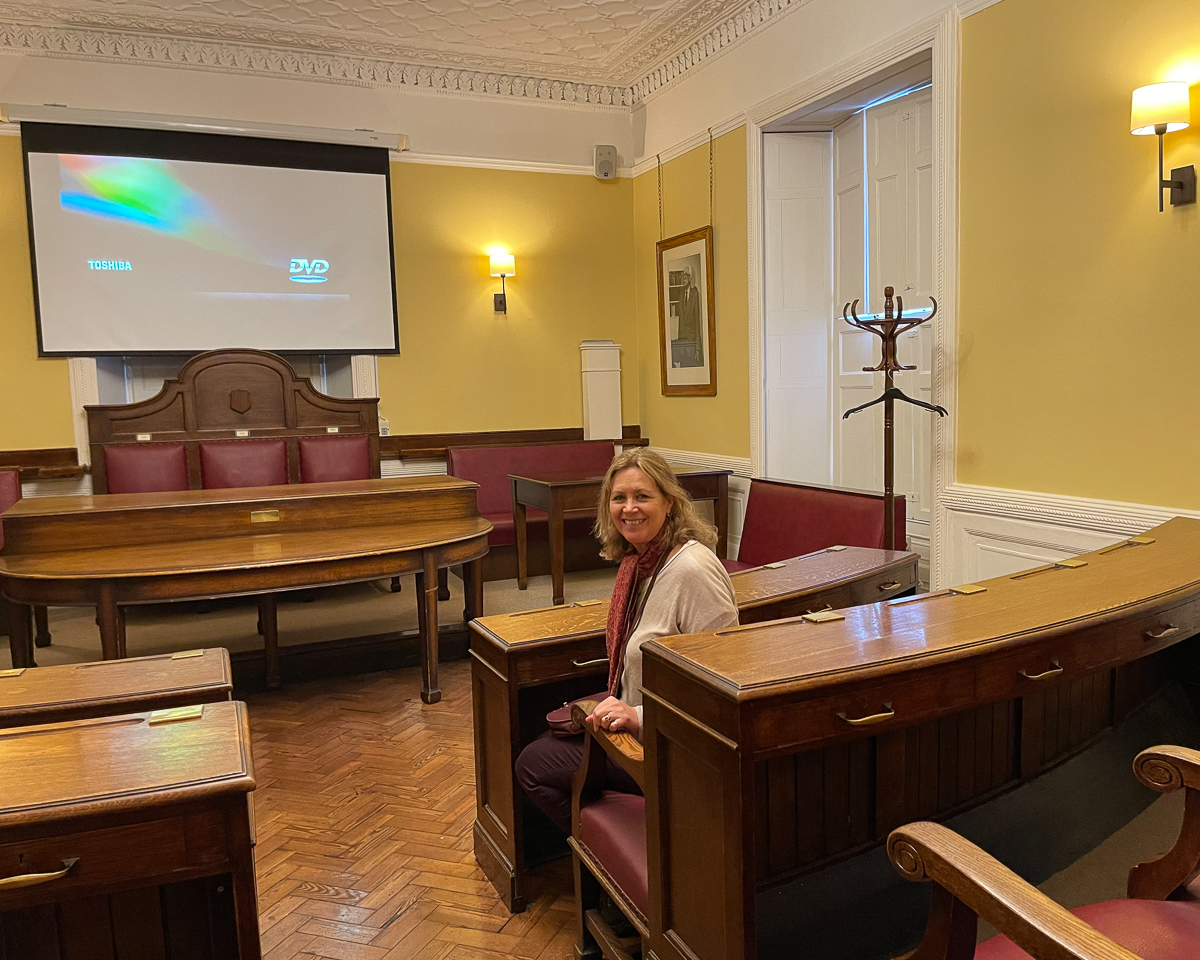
{"points": [[687, 322]]}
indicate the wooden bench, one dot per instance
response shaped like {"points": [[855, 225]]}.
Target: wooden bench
{"points": [[490, 467], [785, 519]]}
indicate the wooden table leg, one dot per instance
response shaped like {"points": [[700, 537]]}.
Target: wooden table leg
{"points": [[472, 589], [721, 515], [245, 894], [20, 643], [122, 650], [443, 578], [109, 621], [556, 545], [42, 623], [522, 538], [268, 617], [427, 598]]}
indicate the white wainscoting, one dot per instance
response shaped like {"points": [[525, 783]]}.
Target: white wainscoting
{"points": [[992, 532]]}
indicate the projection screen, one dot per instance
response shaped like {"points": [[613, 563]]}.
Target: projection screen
{"points": [[163, 242]]}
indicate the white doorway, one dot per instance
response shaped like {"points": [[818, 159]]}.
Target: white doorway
{"points": [[847, 210]]}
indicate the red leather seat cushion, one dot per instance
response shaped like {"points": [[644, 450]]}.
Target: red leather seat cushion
{"points": [[243, 463], [1153, 929], [788, 520], [10, 493], [325, 459], [145, 467], [490, 467], [613, 829]]}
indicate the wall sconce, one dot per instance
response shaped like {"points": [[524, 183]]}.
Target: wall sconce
{"points": [[502, 265], [1163, 108]]}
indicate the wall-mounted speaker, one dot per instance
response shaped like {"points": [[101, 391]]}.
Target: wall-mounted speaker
{"points": [[605, 164]]}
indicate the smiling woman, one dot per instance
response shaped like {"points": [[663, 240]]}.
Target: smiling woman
{"points": [[669, 582]]}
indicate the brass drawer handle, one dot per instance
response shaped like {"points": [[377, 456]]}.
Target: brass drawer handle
{"points": [[1054, 671], [33, 879], [889, 586], [1168, 631], [873, 718], [589, 663]]}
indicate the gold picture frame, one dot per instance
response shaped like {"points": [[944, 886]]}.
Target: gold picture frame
{"points": [[687, 319]]}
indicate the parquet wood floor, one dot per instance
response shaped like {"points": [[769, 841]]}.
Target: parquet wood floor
{"points": [[364, 807]]}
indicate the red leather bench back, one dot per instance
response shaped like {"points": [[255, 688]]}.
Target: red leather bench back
{"points": [[145, 467], [790, 519], [243, 463], [325, 459], [490, 466], [10, 493]]}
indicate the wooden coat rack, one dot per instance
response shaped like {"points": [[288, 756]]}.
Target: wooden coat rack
{"points": [[888, 328]]}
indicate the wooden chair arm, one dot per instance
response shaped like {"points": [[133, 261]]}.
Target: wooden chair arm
{"points": [[971, 879], [1167, 768], [625, 749]]}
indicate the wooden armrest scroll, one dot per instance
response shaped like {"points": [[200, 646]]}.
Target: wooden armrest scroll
{"points": [[973, 884], [624, 748], [1167, 769]]}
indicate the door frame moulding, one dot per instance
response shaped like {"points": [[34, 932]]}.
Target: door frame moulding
{"points": [[940, 36]]}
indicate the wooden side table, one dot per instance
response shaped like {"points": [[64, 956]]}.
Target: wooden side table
{"points": [[129, 837], [80, 691]]}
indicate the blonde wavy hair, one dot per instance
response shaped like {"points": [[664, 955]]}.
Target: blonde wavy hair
{"points": [[682, 523]]}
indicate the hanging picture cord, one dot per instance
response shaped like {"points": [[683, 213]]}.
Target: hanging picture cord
{"points": [[661, 231], [710, 176]]}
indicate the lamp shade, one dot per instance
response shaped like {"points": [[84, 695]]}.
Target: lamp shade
{"points": [[1160, 103], [503, 264]]}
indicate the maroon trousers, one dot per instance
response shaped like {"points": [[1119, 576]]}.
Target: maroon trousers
{"points": [[546, 768]]}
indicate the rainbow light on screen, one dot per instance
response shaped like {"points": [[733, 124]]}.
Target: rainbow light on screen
{"points": [[145, 193]]}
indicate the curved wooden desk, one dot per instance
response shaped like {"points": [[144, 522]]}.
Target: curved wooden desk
{"points": [[123, 549], [525, 664], [791, 745]]}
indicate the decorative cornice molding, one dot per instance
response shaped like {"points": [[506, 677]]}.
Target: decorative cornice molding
{"points": [[227, 54], [231, 57]]}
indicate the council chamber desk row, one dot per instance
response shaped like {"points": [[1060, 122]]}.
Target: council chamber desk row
{"points": [[777, 751]]}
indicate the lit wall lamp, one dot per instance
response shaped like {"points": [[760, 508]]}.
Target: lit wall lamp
{"points": [[502, 265], [1163, 108]]}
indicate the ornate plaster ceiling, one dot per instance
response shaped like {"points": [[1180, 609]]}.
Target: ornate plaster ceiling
{"points": [[612, 42]]}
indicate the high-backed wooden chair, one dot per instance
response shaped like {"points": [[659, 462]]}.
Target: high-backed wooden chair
{"points": [[608, 843], [1160, 920]]}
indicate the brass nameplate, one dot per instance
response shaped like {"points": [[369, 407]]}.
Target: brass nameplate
{"points": [[187, 654], [176, 715], [1131, 542], [264, 516], [332, 429], [587, 603], [241, 433], [968, 588], [1140, 540], [822, 616], [12, 673], [833, 549], [142, 437], [774, 566], [1071, 563]]}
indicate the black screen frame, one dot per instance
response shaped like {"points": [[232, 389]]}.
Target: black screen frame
{"points": [[206, 148]]}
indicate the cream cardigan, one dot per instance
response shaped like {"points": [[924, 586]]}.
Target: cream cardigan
{"points": [[692, 594]]}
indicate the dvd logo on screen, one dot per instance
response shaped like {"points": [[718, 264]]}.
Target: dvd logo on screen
{"points": [[309, 271], [109, 265]]}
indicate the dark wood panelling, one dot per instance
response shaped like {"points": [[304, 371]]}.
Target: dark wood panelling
{"points": [[1058, 721], [44, 464], [433, 445]]}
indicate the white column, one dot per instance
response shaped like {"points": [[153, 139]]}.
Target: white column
{"points": [[600, 363]]}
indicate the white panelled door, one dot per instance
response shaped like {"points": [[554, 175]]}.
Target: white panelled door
{"points": [[798, 248]]}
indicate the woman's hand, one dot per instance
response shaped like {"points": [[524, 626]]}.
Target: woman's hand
{"points": [[615, 715]]}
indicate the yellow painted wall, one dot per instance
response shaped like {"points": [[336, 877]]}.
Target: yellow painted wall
{"points": [[35, 395], [461, 366], [1080, 302], [719, 424]]}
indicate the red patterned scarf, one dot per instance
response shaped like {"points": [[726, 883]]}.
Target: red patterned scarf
{"points": [[624, 611]]}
